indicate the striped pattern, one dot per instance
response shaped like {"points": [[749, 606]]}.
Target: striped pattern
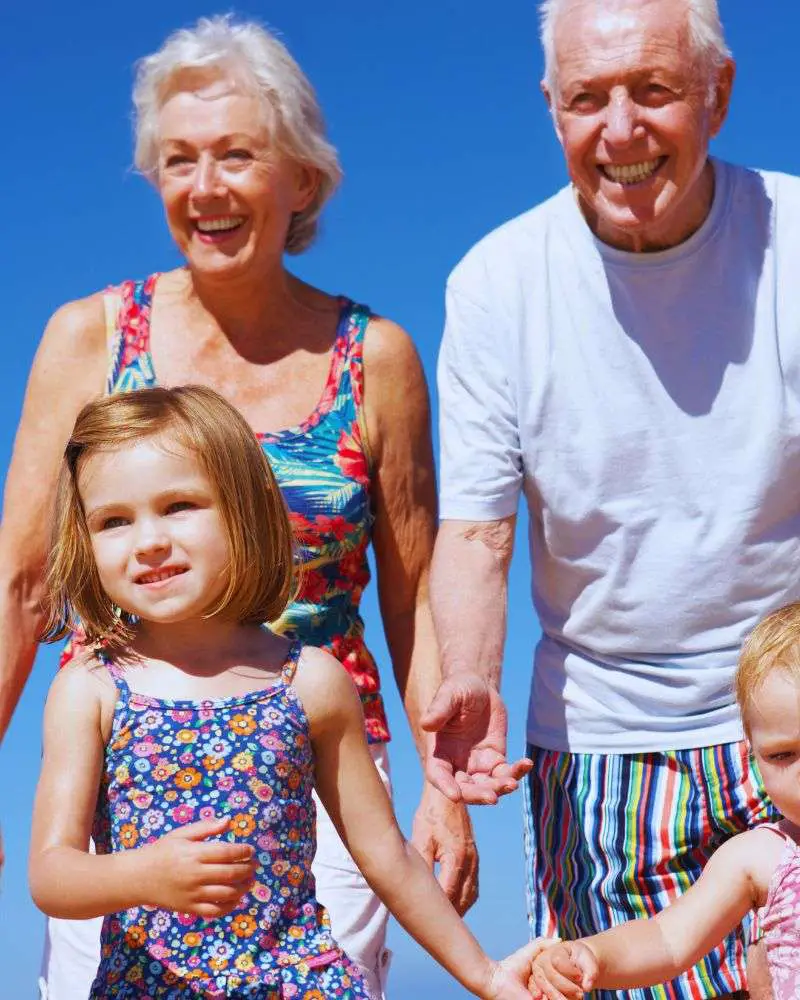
{"points": [[610, 838]]}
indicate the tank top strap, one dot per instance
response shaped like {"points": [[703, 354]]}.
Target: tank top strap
{"points": [[116, 673], [352, 381], [291, 663], [128, 309]]}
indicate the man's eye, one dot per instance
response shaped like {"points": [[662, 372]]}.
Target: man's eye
{"points": [[176, 160], [584, 103]]}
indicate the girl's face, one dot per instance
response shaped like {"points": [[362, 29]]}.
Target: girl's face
{"points": [[156, 529], [773, 718]]}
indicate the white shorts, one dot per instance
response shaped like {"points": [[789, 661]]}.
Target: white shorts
{"points": [[358, 918]]}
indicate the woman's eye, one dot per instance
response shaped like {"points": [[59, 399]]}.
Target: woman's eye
{"points": [[240, 155]]}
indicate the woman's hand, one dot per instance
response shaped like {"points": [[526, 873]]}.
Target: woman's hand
{"points": [[186, 872], [564, 972], [510, 978], [442, 833]]}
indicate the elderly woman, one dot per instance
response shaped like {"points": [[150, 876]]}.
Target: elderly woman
{"points": [[229, 132]]}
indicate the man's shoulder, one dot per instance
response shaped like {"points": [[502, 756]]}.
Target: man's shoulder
{"points": [[780, 188], [515, 242]]}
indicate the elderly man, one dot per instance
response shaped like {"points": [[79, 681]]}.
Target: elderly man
{"points": [[627, 355]]}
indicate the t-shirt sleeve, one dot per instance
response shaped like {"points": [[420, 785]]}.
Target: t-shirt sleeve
{"points": [[480, 456]]}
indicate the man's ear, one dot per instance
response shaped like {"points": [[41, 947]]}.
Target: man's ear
{"points": [[548, 96], [722, 96]]}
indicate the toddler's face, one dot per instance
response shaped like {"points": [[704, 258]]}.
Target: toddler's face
{"points": [[156, 530], [773, 719]]}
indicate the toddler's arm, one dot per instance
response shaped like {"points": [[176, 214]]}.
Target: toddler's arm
{"points": [[351, 790], [182, 871], [647, 952]]}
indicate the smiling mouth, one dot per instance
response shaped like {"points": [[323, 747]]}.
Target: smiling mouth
{"points": [[159, 575], [629, 174], [220, 226]]}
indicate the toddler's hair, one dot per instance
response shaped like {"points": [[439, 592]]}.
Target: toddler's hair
{"points": [[253, 511], [774, 644]]}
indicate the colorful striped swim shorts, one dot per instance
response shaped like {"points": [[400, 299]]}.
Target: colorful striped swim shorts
{"points": [[610, 838]]}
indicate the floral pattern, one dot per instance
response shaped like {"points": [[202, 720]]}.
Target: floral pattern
{"points": [[169, 763], [780, 921], [323, 469]]}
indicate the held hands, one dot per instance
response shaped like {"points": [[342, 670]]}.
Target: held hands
{"points": [[468, 762], [187, 872], [564, 972], [510, 979]]}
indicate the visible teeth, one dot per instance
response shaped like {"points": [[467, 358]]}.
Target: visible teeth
{"points": [[631, 173], [155, 577], [219, 225]]}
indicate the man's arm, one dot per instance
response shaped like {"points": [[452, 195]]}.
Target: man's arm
{"points": [[469, 596]]}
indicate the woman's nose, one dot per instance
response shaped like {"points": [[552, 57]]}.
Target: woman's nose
{"points": [[206, 179]]}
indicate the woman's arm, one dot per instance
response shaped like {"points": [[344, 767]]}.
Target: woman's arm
{"points": [[647, 952], [67, 372], [351, 791], [397, 414], [182, 871]]}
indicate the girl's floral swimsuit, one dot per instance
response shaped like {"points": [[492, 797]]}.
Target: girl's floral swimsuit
{"points": [[780, 921], [169, 763]]}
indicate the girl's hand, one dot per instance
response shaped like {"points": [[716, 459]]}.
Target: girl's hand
{"points": [[510, 978], [186, 872], [564, 972]]}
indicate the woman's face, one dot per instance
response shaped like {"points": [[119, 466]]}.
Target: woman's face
{"points": [[228, 195]]}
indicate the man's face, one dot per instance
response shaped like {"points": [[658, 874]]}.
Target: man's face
{"points": [[633, 114]]}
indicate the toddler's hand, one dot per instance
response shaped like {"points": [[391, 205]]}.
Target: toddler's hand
{"points": [[564, 972], [186, 872], [508, 978]]}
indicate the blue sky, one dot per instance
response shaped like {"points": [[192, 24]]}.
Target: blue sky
{"points": [[435, 108]]}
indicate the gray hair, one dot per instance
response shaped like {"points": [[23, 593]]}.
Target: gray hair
{"points": [[260, 62], [706, 34]]}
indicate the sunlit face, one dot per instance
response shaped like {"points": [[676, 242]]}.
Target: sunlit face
{"points": [[773, 722], [229, 197], [634, 119], [156, 530]]}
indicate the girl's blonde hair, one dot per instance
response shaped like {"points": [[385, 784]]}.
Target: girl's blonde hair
{"points": [[196, 418], [774, 644]]}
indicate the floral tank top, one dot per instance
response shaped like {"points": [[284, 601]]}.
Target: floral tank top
{"points": [[170, 763], [323, 469], [780, 921]]}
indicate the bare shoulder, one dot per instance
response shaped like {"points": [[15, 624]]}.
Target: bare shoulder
{"points": [[83, 687], [325, 688], [755, 853], [77, 328], [386, 343]]}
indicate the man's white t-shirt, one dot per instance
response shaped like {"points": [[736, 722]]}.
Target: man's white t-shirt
{"points": [[648, 405]]}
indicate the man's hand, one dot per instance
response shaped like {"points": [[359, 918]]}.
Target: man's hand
{"points": [[468, 762], [442, 833]]}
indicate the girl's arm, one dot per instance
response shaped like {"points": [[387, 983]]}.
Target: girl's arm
{"points": [[647, 952], [348, 784], [398, 423], [180, 872]]}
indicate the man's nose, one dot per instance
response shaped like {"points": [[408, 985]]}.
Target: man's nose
{"points": [[621, 119]]}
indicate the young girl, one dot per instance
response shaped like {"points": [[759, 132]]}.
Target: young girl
{"points": [[757, 869], [188, 739]]}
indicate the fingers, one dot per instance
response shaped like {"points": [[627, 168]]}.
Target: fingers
{"points": [[553, 985], [440, 774], [235, 874], [441, 710], [223, 852]]}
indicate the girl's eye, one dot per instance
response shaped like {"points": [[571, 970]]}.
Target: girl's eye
{"points": [[180, 505], [112, 522], [782, 757]]}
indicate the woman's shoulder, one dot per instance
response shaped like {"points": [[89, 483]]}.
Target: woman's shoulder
{"points": [[79, 324]]}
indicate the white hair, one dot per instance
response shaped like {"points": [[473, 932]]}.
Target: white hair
{"points": [[706, 34], [257, 60]]}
